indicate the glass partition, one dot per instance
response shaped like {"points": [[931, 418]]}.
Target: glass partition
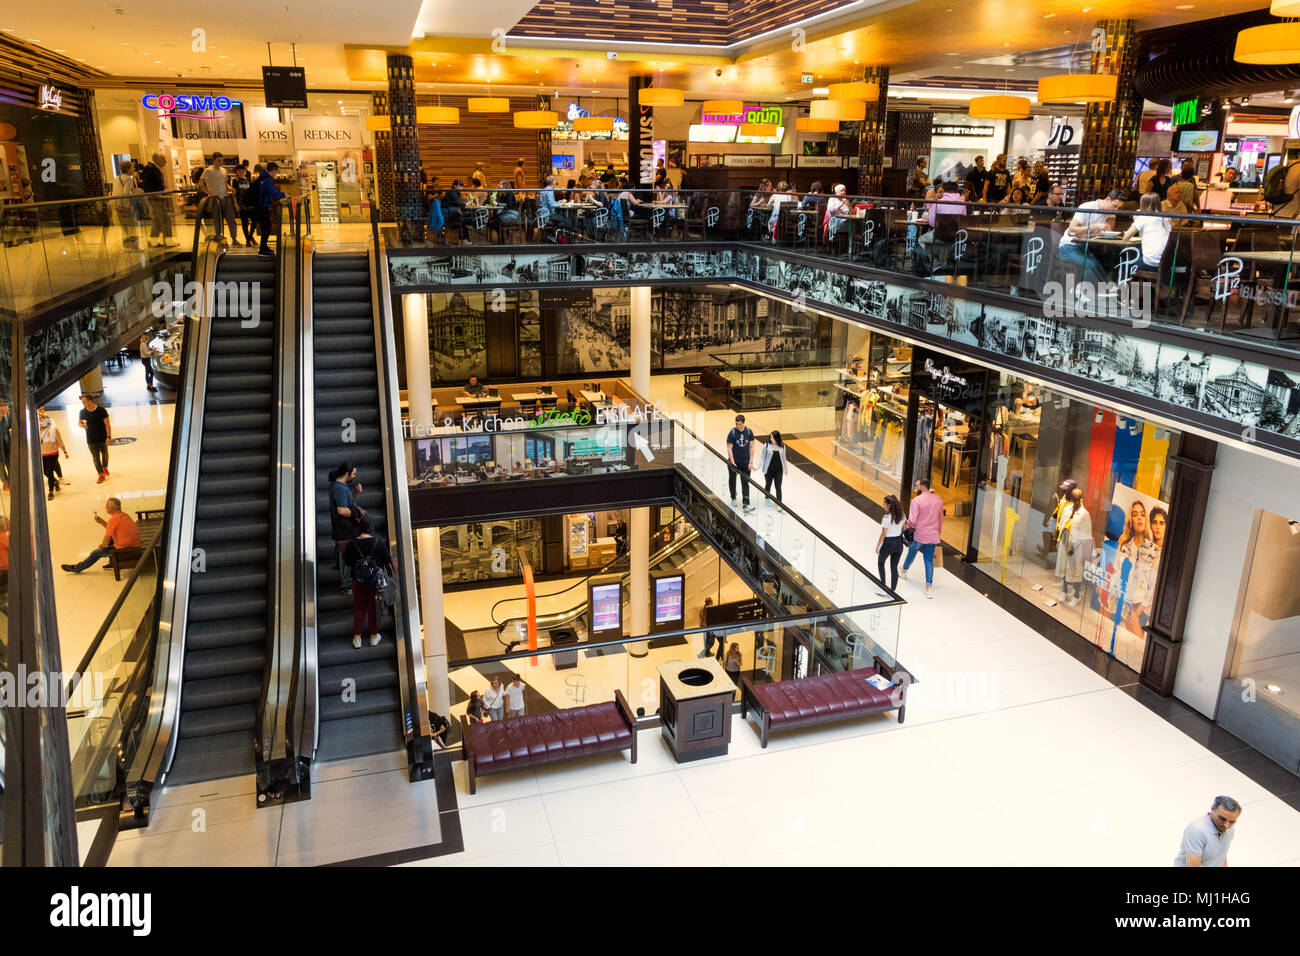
{"points": [[53, 251]]}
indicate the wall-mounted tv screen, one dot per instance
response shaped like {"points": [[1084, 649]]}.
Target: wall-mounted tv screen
{"points": [[1197, 141]]}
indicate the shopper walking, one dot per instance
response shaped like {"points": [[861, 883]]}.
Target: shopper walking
{"points": [[345, 516], [515, 697], [476, 711], [120, 532], [494, 698], [739, 442], [146, 359], [889, 547], [153, 181], [51, 445], [265, 196], [366, 557], [244, 201], [773, 466], [733, 664], [1207, 838], [99, 432], [926, 522], [710, 637], [125, 188], [215, 182]]}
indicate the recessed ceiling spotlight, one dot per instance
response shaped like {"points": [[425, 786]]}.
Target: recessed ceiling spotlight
{"points": [[1273, 688], [1185, 6], [1048, 16], [821, 91]]}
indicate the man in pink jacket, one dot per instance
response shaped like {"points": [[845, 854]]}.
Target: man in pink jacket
{"points": [[926, 519]]}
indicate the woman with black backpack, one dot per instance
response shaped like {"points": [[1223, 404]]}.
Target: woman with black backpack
{"points": [[344, 514], [371, 566]]}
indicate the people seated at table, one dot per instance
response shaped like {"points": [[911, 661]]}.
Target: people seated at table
{"points": [[1180, 197], [762, 195], [635, 205], [508, 214], [1014, 216], [947, 202], [838, 208], [453, 207], [474, 388], [784, 194], [1092, 219], [1153, 230], [546, 200], [813, 197]]}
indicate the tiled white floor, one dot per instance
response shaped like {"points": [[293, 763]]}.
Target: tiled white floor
{"points": [[1006, 735]]}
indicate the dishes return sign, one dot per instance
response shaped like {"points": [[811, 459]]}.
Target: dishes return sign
{"points": [[285, 87]]}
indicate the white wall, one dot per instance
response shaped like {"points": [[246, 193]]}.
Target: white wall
{"points": [[1242, 482]]}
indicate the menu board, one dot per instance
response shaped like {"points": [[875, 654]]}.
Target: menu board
{"points": [[606, 603], [668, 600]]}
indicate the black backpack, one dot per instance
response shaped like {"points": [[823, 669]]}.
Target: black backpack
{"points": [[367, 570]]}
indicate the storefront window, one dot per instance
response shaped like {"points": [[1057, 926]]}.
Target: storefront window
{"points": [[1266, 657], [1072, 510]]}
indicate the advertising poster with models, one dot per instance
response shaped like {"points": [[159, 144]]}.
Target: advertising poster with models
{"points": [[1125, 572]]}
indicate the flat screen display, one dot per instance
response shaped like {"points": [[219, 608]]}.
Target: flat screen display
{"points": [[606, 608], [562, 160], [1197, 141], [668, 599]]}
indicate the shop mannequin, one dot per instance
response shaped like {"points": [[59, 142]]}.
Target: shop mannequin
{"points": [[1073, 547], [1052, 519]]}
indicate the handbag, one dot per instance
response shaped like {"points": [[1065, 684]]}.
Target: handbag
{"points": [[909, 536], [386, 588]]}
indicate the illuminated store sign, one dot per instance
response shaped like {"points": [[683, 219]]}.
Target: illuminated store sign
{"points": [[1186, 111], [193, 106], [752, 114], [49, 97]]}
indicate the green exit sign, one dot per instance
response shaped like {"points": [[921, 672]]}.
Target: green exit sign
{"points": [[806, 78], [1186, 111]]}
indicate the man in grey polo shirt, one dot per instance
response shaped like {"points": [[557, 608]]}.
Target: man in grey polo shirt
{"points": [[1206, 839], [215, 182]]}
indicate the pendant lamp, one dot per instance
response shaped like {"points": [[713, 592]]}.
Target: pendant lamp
{"points": [[860, 90], [1270, 44], [1285, 8], [488, 104], [660, 96], [999, 107], [806, 124], [840, 110], [593, 124], [1077, 88], [437, 115], [723, 107], [536, 119]]}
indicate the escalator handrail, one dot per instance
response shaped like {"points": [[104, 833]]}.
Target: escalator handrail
{"points": [[406, 614], [198, 231], [274, 718], [554, 618], [158, 742], [306, 727]]}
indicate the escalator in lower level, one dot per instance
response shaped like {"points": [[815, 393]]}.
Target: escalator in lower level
{"points": [[227, 619], [360, 697]]}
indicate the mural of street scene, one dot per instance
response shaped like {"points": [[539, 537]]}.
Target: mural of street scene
{"points": [[694, 325], [1248, 395], [595, 331]]}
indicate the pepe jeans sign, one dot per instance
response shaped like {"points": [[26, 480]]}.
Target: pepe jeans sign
{"points": [[944, 376]]}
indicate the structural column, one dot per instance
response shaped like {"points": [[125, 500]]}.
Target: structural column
{"points": [[406, 148], [1108, 150], [543, 145], [871, 135], [640, 346], [638, 598], [419, 397], [92, 165], [383, 160]]}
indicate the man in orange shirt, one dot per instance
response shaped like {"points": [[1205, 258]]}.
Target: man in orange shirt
{"points": [[120, 532]]}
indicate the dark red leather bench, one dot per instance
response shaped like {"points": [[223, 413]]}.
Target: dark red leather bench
{"points": [[538, 739], [819, 700]]}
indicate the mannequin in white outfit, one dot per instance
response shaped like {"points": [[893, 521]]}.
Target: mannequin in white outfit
{"points": [[1073, 548]]}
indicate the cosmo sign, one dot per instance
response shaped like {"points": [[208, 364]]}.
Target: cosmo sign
{"points": [[186, 104]]}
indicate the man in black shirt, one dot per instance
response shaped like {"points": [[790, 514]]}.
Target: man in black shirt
{"points": [[999, 180], [1042, 184], [977, 177], [740, 441], [474, 389], [94, 419]]}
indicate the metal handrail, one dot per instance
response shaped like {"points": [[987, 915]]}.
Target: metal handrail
{"points": [[19, 207], [409, 635], [306, 718]]}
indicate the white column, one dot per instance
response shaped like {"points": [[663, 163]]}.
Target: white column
{"points": [[641, 340], [419, 399], [638, 614]]}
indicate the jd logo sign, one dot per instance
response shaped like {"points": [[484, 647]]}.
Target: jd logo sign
{"points": [[1062, 133]]}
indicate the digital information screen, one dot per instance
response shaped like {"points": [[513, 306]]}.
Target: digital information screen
{"points": [[668, 599], [606, 608]]}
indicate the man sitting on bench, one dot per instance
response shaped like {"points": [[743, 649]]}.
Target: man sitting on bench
{"points": [[120, 533]]}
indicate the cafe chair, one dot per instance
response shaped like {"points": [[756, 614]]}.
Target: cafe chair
{"points": [[1206, 251], [600, 225], [638, 225], [476, 222], [766, 660]]}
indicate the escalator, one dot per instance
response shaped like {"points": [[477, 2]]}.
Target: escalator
{"points": [[512, 620], [228, 618], [362, 706]]}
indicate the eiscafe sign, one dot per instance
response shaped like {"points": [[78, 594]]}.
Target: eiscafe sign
{"points": [[326, 132]]}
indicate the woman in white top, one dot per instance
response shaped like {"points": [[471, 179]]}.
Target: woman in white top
{"points": [[783, 194], [773, 466], [890, 544], [1154, 230], [127, 215], [838, 208]]}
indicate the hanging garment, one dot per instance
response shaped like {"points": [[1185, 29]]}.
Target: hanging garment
{"points": [[1151, 466], [1101, 450], [1128, 450]]}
